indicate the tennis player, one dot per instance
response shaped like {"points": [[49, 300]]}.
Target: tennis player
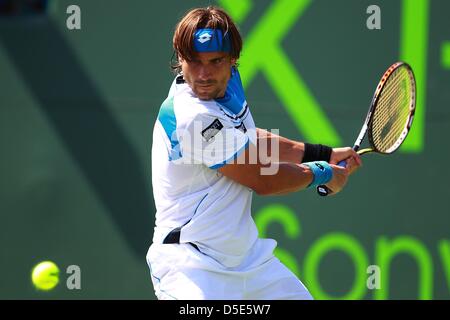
{"points": [[206, 165]]}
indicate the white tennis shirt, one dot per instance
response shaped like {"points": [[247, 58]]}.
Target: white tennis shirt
{"points": [[192, 138]]}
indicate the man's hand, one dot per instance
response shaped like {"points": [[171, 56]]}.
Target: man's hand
{"points": [[340, 177], [348, 154], [340, 174]]}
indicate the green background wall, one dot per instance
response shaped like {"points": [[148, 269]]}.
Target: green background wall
{"points": [[77, 109]]}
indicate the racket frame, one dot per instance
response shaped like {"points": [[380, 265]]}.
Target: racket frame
{"points": [[324, 190], [376, 97]]}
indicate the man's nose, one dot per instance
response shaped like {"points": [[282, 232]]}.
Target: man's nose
{"points": [[204, 72]]}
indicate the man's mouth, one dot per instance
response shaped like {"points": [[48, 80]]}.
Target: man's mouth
{"points": [[205, 84]]}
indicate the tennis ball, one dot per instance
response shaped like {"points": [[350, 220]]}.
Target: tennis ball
{"points": [[45, 275]]}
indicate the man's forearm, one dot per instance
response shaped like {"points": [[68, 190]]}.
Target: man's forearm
{"points": [[279, 167], [290, 177], [268, 179], [288, 150]]}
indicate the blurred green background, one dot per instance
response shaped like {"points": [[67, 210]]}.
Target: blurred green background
{"points": [[77, 109]]}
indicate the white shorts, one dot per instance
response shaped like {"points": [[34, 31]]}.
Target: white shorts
{"points": [[181, 272]]}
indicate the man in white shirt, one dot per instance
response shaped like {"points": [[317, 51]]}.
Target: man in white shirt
{"points": [[206, 164]]}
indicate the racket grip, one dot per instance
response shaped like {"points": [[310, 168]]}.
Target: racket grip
{"points": [[323, 190], [343, 163]]}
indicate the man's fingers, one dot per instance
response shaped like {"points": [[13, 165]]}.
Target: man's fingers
{"points": [[353, 164], [357, 158]]}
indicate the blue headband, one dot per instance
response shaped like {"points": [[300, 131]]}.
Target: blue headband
{"points": [[211, 40]]}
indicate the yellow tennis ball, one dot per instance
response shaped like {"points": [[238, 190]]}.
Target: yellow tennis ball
{"points": [[45, 275]]}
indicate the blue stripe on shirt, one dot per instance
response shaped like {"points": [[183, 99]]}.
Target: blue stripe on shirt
{"points": [[235, 156], [168, 121]]}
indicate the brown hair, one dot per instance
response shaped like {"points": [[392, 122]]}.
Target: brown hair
{"points": [[210, 17]]}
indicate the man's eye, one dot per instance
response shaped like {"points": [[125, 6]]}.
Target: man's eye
{"points": [[217, 61]]}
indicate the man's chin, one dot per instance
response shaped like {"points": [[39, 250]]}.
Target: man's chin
{"points": [[206, 96]]}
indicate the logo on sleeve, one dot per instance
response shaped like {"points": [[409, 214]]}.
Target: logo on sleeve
{"points": [[212, 130]]}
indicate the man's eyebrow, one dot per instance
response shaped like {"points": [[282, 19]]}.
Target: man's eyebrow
{"points": [[217, 58]]}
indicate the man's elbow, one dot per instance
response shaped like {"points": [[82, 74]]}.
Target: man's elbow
{"points": [[262, 192]]}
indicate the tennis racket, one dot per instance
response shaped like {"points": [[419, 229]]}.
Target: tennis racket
{"points": [[390, 115]]}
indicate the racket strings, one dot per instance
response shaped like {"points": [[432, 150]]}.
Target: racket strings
{"points": [[392, 111], [398, 108], [389, 124]]}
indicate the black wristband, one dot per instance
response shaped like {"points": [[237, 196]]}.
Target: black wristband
{"points": [[316, 152]]}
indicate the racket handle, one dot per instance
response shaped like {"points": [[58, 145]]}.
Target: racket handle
{"points": [[343, 163], [323, 190]]}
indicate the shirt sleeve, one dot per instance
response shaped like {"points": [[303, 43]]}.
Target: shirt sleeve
{"points": [[234, 98], [212, 140]]}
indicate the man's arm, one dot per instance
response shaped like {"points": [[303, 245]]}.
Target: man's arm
{"points": [[288, 177], [293, 151], [288, 150]]}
